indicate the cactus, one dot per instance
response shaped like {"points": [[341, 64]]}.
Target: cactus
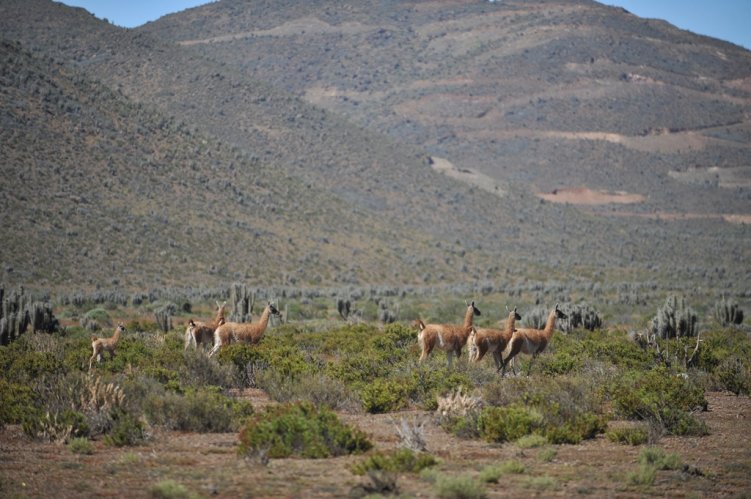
{"points": [[536, 318], [674, 319], [727, 312], [581, 315], [163, 317], [386, 315], [343, 306], [18, 311], [242, 301]]}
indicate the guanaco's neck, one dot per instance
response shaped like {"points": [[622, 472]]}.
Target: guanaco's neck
{"points": [[468, 317], [265, 317], [550, 325], [511, 322], [116, 336], [219, 317]]}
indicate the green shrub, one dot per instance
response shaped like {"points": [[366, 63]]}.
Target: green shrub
{"points": [[461, 487], [512, 466], [717, 346], [32, 365], [530, 441], [427, 383], [204, 410], [565, 407], [16, 403], [197, 370], [632, 435], [462, 426], [651, 460], [170, 489], [249, 360], [127, 430], [384, 395], [504, 424], [734, 374], [80, 445], [654, 456], [494, 473], [644, 476], [57, 426], [318, 389], [300, 429], [544, 482], [547, 454], [662, 396], [574, 428], [490, 474], [400, 461]]}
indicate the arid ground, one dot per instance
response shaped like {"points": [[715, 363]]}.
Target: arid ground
{"points": [[718, 465]]}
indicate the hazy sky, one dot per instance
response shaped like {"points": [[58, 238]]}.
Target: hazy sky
{"points": [[726, 19]]}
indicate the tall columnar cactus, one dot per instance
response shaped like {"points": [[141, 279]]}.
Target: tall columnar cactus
{"points": [[241, 300], [674, 319], [343, 306], [580, 315], [163, 317], [727, 312], [18, 311]]}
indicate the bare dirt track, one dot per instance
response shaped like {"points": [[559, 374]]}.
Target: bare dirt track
{"points": [[207, 464]]}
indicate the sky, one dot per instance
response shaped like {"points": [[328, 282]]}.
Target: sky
{"points": [[725, 19]]}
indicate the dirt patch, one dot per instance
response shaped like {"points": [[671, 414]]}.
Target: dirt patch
{"points": [[728, 178], [471, 177], [585, 196], [207, 464], [672, 216], [303, 26]]}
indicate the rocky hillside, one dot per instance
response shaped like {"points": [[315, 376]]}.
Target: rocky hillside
{"points": [[98, 190], [413, 142], [551, 94]]}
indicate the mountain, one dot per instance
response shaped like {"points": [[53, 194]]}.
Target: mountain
{"points": [[99, 190], [431, 142], [550, 94]]}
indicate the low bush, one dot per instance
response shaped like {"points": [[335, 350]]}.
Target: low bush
{"points": [[384, 395], [493, 473], [734, 374], [531, 441], [127, 430], [57, 427], [663, 396], [80, 445], [547, 454], [198, 370], [399, 461], [505, 424], [460, 487], [651, 460], [318, 389], [204, 410], [170, 489], [300, 429], [544, 482], [654, 456], [566, 409], [16, 403], [631, 435]]}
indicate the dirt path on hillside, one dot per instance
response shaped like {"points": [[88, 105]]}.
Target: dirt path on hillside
{"points": [[207, 464]]}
